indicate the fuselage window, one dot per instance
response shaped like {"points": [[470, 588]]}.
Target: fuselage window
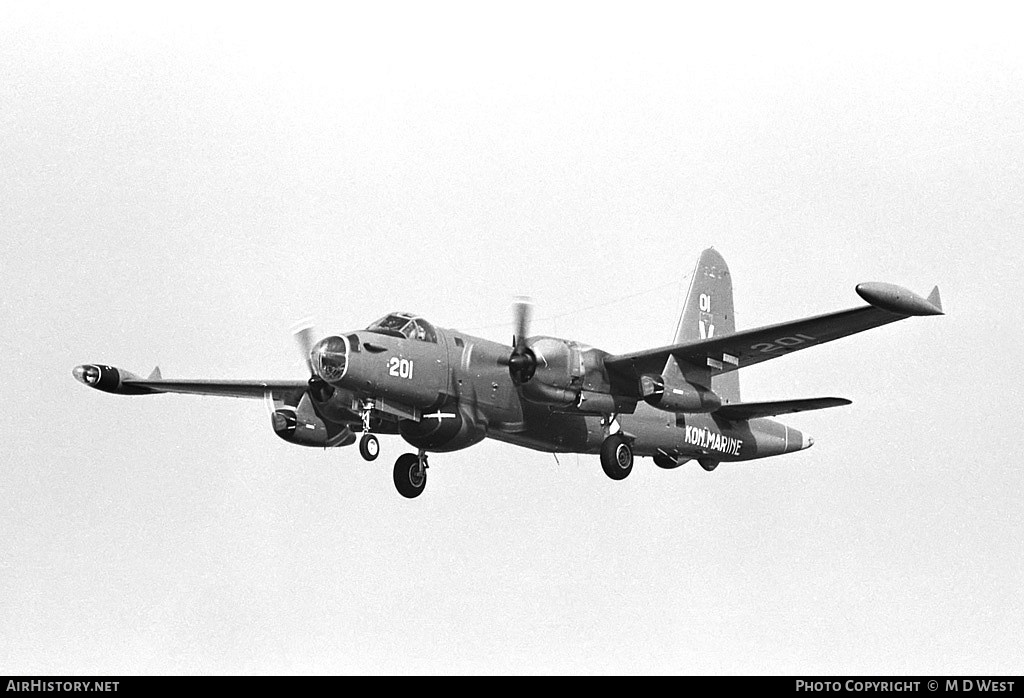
{"points": [[424, 331], [405, 326], [394, 325]]}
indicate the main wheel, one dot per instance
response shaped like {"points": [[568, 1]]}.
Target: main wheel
{"points": [[410, 478], [616, 457], [369, 447]]}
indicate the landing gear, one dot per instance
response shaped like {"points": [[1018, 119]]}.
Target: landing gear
{"points": [[616, 457], [369, 447], [411, 474]]}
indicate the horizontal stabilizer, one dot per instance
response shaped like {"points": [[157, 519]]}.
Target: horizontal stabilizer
{"points": [[752, 410]]}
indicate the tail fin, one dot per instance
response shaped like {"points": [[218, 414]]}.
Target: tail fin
{"points": [[707, 313]]}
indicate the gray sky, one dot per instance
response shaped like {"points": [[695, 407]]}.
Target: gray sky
{"points": [[179, 186]]}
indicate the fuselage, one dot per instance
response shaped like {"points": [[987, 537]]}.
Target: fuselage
{"points": [[443, 374], [654, 432]]}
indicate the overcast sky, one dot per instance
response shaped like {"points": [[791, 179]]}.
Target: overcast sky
{"points": [[178, 186]]}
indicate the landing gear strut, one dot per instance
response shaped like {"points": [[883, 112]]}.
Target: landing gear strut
{"points": [[411, 474], [616, 457], [369, 447]]}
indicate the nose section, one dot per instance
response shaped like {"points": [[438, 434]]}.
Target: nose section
{"points": [[90, 375], [808, 441], [330, 358]]}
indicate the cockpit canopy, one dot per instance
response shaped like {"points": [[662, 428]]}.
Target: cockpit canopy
{"points": [[405, 325]]}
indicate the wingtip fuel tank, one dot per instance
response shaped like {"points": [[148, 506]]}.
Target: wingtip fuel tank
{"points": [[109, 379], [899, 300]]}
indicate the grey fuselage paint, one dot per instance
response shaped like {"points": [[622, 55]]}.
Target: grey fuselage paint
{"points": [[470, 376]]}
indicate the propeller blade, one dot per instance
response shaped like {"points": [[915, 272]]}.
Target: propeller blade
{"points": [[522, 311], [521, 363], [305, 335]]}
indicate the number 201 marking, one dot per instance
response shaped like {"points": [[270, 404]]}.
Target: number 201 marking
{"points": [[400, 368], [782, 343]]}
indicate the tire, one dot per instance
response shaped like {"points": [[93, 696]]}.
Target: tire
{"points": [[409, 481], [369, 447], [616, 457]]}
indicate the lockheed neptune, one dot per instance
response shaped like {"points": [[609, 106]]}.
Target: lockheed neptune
{"points": [[443, 390]]}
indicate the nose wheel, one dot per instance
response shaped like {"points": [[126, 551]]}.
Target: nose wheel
{"points": [[616, 457], [411, 474], [369, 447]]}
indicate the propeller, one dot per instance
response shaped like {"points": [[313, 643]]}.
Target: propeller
{"points": [[522, 363], [305, 335]]}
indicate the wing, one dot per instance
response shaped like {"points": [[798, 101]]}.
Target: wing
{"points": [[708, 357], [114, 380], [225, 388], [752, 410]]}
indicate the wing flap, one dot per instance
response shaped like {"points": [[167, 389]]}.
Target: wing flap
{"points": [[752, 410]]}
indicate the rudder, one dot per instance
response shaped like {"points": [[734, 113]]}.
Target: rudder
{"points": [[707, 312]]}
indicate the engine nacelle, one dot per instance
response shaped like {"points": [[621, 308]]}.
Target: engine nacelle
{"points": [[677, 398], [538, 391], [556, 378], [570, 377], [449, 428], [304, 427]]}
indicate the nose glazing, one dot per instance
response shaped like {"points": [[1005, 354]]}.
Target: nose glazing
{"points": [[330, 358]]}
